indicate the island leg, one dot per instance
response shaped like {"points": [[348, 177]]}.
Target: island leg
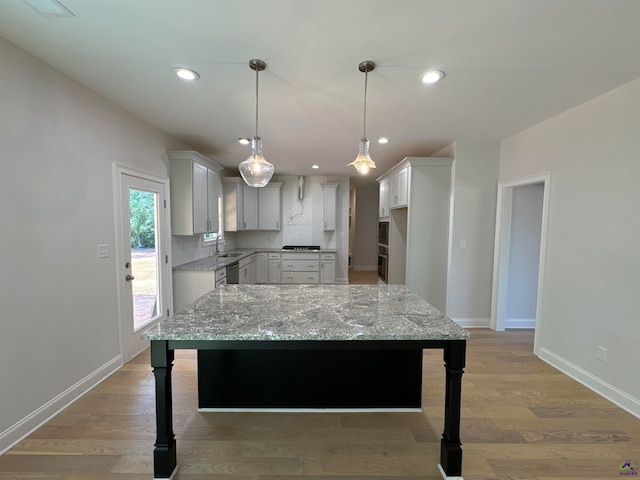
{"points": [[164, 454], [450, 445]]}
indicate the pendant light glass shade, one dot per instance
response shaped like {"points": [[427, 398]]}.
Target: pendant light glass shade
{"points": [[255, 170], [363, 162]]}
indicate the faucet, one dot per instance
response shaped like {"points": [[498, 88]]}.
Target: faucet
{"points": [[217, 252]]}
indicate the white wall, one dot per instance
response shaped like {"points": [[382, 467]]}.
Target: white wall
{"points": [[365, 241], [58, 305], [591, 280], [474, 189], [524, 255]]}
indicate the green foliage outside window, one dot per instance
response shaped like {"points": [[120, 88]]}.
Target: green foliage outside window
{"points": [[142, 214]]}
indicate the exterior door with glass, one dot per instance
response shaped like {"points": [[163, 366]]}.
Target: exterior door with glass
{"points": [[144, 283]]}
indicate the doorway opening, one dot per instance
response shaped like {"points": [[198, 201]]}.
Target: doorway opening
{"points": [[519, 254]]}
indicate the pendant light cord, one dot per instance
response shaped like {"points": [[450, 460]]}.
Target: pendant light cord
{"points": [[364, 131], [257, 73]]}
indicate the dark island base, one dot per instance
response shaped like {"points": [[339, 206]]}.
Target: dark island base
{"points": [[310, 379]]}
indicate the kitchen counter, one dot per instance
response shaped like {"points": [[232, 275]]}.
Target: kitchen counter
{"points": [[308, 313], [214, 263], [320, 347]]}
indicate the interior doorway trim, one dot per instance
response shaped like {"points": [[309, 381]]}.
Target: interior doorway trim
{"points": [[502, 246]]}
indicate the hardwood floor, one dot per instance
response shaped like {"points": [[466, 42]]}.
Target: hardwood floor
{"points": [[366, 277], [520, 419]]}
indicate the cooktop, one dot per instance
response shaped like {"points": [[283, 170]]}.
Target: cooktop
{"points": [[301, 248]]}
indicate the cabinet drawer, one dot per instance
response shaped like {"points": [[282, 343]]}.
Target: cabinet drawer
{"points": [[300, 265], [300, 277], [300, 256], [274, 256], [328, 256], [221, 273]]}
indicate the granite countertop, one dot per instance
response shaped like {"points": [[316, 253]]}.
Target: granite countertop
{"points": [[214, 263], [308, 313]]}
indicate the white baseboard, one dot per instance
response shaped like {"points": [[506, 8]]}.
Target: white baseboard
{"points": [[599, 386], [472, 322], [342, 281], [14, 434], [444, 475], [365, 268], [520, 323]]}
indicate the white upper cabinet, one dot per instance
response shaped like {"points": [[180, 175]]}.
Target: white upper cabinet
{"points": [[384, 198], [330, 194], [251, 208], [269, 207], [399, 190], [213, 194], [233, 189], [195, 188]]}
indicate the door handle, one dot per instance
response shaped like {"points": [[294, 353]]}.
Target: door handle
{"points": [[128, 278]]}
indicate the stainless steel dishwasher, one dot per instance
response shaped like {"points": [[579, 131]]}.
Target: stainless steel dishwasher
{"points": [[233, 273]]}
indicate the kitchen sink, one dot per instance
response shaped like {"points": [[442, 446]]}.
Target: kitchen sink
{"points": [[225, 255]]}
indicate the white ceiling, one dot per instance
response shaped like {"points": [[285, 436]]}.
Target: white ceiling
{"points": [[509, 63]]}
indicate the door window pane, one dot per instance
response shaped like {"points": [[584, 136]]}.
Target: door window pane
{"points": [[144, 257]]}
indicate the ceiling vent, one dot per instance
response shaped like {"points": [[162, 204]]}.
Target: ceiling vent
{"points": [[49, 8]]}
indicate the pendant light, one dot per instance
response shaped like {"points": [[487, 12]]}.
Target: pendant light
{"points": [[363, 162], [255, 170]]}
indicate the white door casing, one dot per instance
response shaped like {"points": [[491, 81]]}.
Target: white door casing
{"points": [[501, 251], [126, 179]]}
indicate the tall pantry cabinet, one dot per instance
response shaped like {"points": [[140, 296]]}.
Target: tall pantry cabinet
{"points": [[418, 190]]}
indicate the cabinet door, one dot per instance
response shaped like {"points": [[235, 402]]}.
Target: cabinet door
{"points": [[250, 207], [328, 271], [213, 192], [402, 193], [262, 268], [274, 271], [330, 194], [384, 198], [269, 208], [200, 211], [244, 275]]}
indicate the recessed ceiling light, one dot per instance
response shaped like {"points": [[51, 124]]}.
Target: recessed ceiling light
{"points": [[432, 76], [383, 140], [244, 141], [315, 166], [186, 74]]}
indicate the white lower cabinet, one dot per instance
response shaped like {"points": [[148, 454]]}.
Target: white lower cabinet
{"points": [[262, 267], [300, 277], [327, 268], [308, 268], [245, 271], [300, 268], [274, 267]]}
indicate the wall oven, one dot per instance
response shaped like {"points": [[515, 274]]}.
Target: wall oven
{"points": [[383, 263], [383, 233]]}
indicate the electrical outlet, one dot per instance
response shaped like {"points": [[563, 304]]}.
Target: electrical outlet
{"points": [[602, 354], [103, 251]]}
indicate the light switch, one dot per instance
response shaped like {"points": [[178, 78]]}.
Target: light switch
{"points": [[463, 243], [103, 251]]}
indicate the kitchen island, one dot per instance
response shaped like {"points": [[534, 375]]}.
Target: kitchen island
{"points": [[334, 333]]}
